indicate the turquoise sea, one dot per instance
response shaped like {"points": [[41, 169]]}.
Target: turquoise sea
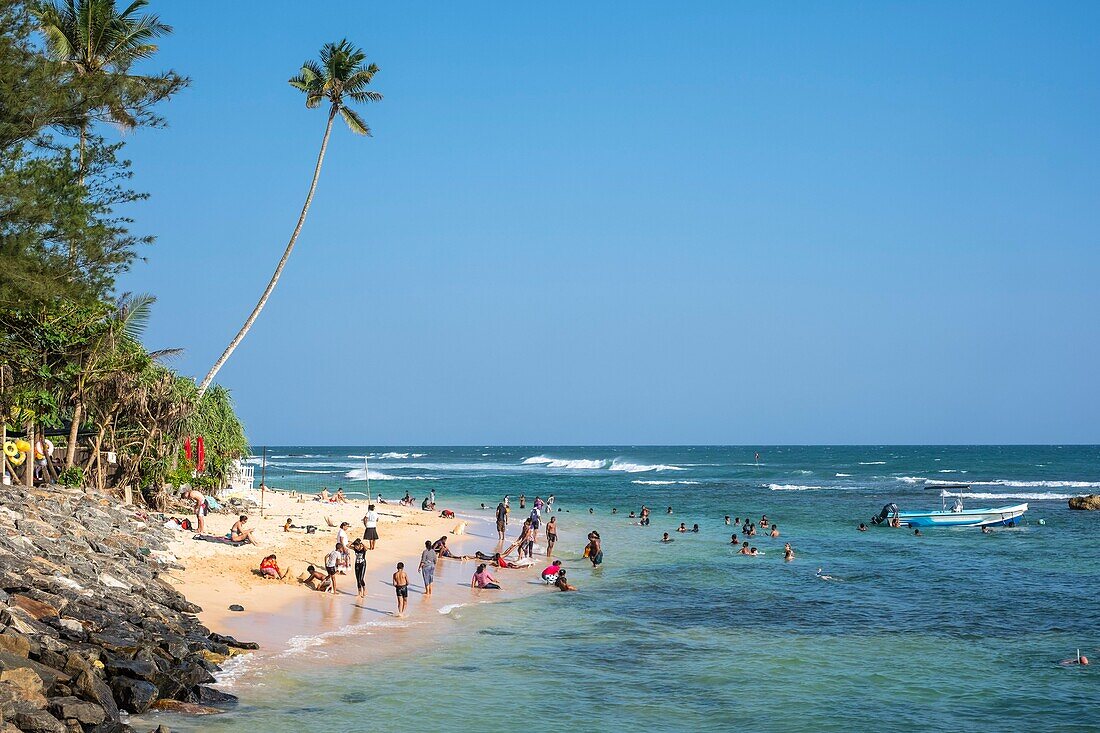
{"points": [[952, 631]]}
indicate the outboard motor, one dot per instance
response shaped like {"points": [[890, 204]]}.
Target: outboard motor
{"points": [[887, 511]]}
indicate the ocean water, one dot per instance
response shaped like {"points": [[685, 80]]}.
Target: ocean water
{"points": [[953, 631]]}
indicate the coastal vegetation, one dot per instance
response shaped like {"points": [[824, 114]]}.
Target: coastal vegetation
{"points": [[72, 363]]}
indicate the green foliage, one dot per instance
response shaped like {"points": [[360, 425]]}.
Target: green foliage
{"points": [[222, 432], [340, 76], [72, 477]]}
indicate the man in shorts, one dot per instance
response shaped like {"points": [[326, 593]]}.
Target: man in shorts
{"points": [[502, 520], [401, 586]]}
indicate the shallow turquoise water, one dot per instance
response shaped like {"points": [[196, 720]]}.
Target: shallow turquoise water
{"points": [[955, 630]]}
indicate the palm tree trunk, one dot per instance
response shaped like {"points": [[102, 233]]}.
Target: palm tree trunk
{"points": [[70, 447], [81, 173], [279, 269]]}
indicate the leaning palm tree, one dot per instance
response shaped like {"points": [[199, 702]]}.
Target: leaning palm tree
{"points": [[99, 45], [339, 77]]}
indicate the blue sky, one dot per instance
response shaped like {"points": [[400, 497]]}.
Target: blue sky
{"points": [[582, 223]]}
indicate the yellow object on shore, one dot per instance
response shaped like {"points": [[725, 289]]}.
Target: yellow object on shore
{"points": [[22, 446]]}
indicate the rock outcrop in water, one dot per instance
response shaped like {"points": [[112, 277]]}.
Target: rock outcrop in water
{"points": [[1089, 503], [87, 627]]}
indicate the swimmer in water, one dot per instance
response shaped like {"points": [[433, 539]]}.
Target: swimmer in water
{"points": [[733, 539], [1081, 660], [775, 530], [666, 538], [745, 549], [916, 533], [682, 527], [788, 553], [753, 552], [727, 520], [670, 510], [987, 530], [695, 528], [862, 527], [823, 576]]}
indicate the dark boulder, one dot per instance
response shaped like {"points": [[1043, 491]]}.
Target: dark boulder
{"points": [[134, 695]]}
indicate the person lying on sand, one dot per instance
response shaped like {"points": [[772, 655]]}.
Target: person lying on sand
{"points": [[238, 533], [269, 568], [562, 584]]}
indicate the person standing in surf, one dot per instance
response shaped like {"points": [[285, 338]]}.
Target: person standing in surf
{"points": [[427, 567], [551, 535], [502, 520], [401, 587], [594, 549]]}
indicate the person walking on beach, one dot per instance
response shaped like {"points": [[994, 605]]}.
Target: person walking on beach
{"points": [[360, 551], [594, 550], [536, 519], [427, 567], [401, 587], [502, 520], [551, 535], [370, 524]]}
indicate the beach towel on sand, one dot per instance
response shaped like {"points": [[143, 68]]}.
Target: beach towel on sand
{"points": [[218, 540]]}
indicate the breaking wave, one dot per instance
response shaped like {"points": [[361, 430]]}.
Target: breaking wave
{"points": [[793, 487], [664, 483], [357, 474], [590, 464], [872, 463], [1044, 496], [1040, 484]]}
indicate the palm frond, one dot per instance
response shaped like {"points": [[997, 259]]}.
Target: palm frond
{"points": [[355, 122], [364, 96], [133, 312]]}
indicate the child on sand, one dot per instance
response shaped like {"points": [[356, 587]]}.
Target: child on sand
{"points": [[401, 587], [269, 568], [331, 560]]}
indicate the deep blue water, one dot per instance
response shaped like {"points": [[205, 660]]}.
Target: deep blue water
{"points": [[955, 630]]}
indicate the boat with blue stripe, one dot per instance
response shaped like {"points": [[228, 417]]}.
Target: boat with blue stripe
{"points": [[954, 516]]}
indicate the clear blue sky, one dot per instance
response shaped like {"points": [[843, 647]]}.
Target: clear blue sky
{"points": [[639, 222]]}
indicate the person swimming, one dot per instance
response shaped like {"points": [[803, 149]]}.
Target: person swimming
{"points": [[745, 549], [666, 538], [775, 531], [682, 527], [1081, 660], [862, 527], [695, 528], [788, 553], [733, 539]]}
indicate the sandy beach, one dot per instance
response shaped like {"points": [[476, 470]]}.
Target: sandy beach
{"points": [[282, 615]]}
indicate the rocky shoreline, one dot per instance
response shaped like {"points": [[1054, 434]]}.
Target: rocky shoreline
{"points": [[89, 631]]}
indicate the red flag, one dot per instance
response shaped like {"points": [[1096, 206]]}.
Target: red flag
{"points": [[187, 447], [200, 462]]}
